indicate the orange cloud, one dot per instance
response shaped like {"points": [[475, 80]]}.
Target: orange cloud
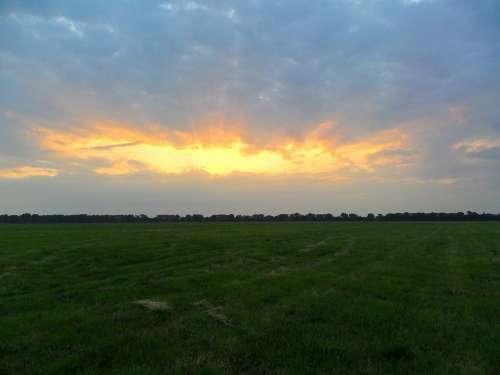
{"points": [[217, 150], [476, 145], [27, 171]]}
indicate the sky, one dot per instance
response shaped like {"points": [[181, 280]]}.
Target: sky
{"points": [[258, 106]]}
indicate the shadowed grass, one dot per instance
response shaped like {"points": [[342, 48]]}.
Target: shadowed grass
{"points": [[270, 298]]}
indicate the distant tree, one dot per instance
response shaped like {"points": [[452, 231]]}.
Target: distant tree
{"points": [[405, 216]]}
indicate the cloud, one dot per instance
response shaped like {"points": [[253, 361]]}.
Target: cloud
{"points": [[393, 157], [279, 67], [70, 25], [27, 171], [283, 64], [187, 6], [480, 148], [220, 150]]}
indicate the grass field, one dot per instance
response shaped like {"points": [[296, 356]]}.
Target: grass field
{"points": [[290, 298]]}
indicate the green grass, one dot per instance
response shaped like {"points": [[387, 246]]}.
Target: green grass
{"points": [[291, 298]]}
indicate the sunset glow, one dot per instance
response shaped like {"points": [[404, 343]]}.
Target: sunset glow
{"points": [[124, 150], [26, 171]]}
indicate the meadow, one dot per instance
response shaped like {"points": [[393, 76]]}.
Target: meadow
{"points": [[260, 298]]}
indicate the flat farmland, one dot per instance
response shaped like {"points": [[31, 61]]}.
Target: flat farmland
{"points": [[256, 298]]}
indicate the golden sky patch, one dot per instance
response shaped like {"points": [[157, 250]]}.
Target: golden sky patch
{"points": [[27, 171], [217, 150]]}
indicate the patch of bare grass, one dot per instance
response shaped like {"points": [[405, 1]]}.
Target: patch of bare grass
{"points": [[313, 246], [214, 312], [277, 272], [153, 305]]}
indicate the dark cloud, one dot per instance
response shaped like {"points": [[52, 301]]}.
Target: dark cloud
{"points": [[118, 145]]}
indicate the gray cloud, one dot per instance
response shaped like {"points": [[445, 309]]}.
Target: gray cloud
{"points": [[489, 153]]}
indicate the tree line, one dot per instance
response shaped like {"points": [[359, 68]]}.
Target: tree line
{"points": [[400, 216]]}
